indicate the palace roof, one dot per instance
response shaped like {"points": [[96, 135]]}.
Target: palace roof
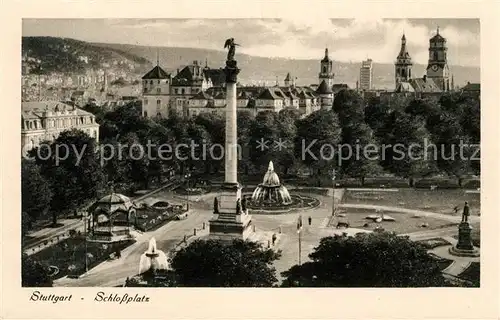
{"points": [[156, 73]]}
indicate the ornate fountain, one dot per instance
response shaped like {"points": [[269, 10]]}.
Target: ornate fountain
{"points": [[271, 190], [153, 259]]}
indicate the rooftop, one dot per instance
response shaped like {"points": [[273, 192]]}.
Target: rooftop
{"points": [[156, 73]]}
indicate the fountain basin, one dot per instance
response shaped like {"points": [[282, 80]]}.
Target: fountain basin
{"points": [[297, 202]]}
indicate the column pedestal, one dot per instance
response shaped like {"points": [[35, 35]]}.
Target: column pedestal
{"points": [[464, 246]]}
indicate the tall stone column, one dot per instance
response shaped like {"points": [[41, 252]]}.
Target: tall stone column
{"points": [[231, 189], [231, 219], [231, 147]]}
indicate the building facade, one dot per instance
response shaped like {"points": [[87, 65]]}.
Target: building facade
{"points": [[45, 120], [156, 93], [366, 75]]}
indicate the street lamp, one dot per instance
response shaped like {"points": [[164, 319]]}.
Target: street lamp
{"points": [[333, 192], [85, 221], [187, 176]]}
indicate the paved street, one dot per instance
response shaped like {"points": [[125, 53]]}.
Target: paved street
{"points": [[113, 273]]}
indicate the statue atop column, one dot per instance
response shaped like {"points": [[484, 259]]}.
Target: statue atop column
{"points": [[466, 212], [231, 69], [232, 48]]}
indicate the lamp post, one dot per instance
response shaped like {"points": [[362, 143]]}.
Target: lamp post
{"points": [[85, 218], [333, 192], [187, 176]]}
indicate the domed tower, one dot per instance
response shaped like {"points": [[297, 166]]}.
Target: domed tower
{"points": [[325, 95], [326, 71], [403, 63], [437, 68]]}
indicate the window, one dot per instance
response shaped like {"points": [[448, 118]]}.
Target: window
{"points": [[145, 113], [158, 90], [158, 102], [151, 82], [175, 91], [179, 102], [145, 101], [182, 91], [158, 81], [435, 55]]}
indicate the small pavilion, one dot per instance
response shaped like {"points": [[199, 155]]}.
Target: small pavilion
{"points": [[112, 217]]}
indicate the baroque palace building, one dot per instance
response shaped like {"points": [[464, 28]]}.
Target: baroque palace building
{"points": [[45, 120], [196, 89]]}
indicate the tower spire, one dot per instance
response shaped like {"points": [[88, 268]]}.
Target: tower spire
{"points": [[206, 62], [437, 31], [326, 53], [157, 57]]}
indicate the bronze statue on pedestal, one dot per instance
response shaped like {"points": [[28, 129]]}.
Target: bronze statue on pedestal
{"points": [[466, 213]]}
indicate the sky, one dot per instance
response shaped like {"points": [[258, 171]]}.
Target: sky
{"points": [[301, 38]]}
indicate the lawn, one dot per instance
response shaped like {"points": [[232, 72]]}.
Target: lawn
{"points": [[472, 273], [405, 223], [68, 255], [440, 201]]}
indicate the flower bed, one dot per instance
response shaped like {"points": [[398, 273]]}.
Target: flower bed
{"points": [[68, 256], [149, 218], [430, 244], [193, 191]]}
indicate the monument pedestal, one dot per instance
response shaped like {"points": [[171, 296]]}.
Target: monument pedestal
{"points": [[228, 224], [464, 246]]}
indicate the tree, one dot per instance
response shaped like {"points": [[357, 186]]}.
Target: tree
{"points": [[264, 132], [350, 107], [35, 192], [364, 156], [408, 156], [453, 146], [376, 259], [34, 274], [73, 170], [244, 125], [213, 263], [214, 124], [318, 135]]}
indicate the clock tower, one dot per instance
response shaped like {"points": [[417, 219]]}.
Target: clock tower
{"points": [[437, 68]]}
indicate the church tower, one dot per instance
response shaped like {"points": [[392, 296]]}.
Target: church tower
{"points": [[437, 68], [326, 71], [403, 63]]}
